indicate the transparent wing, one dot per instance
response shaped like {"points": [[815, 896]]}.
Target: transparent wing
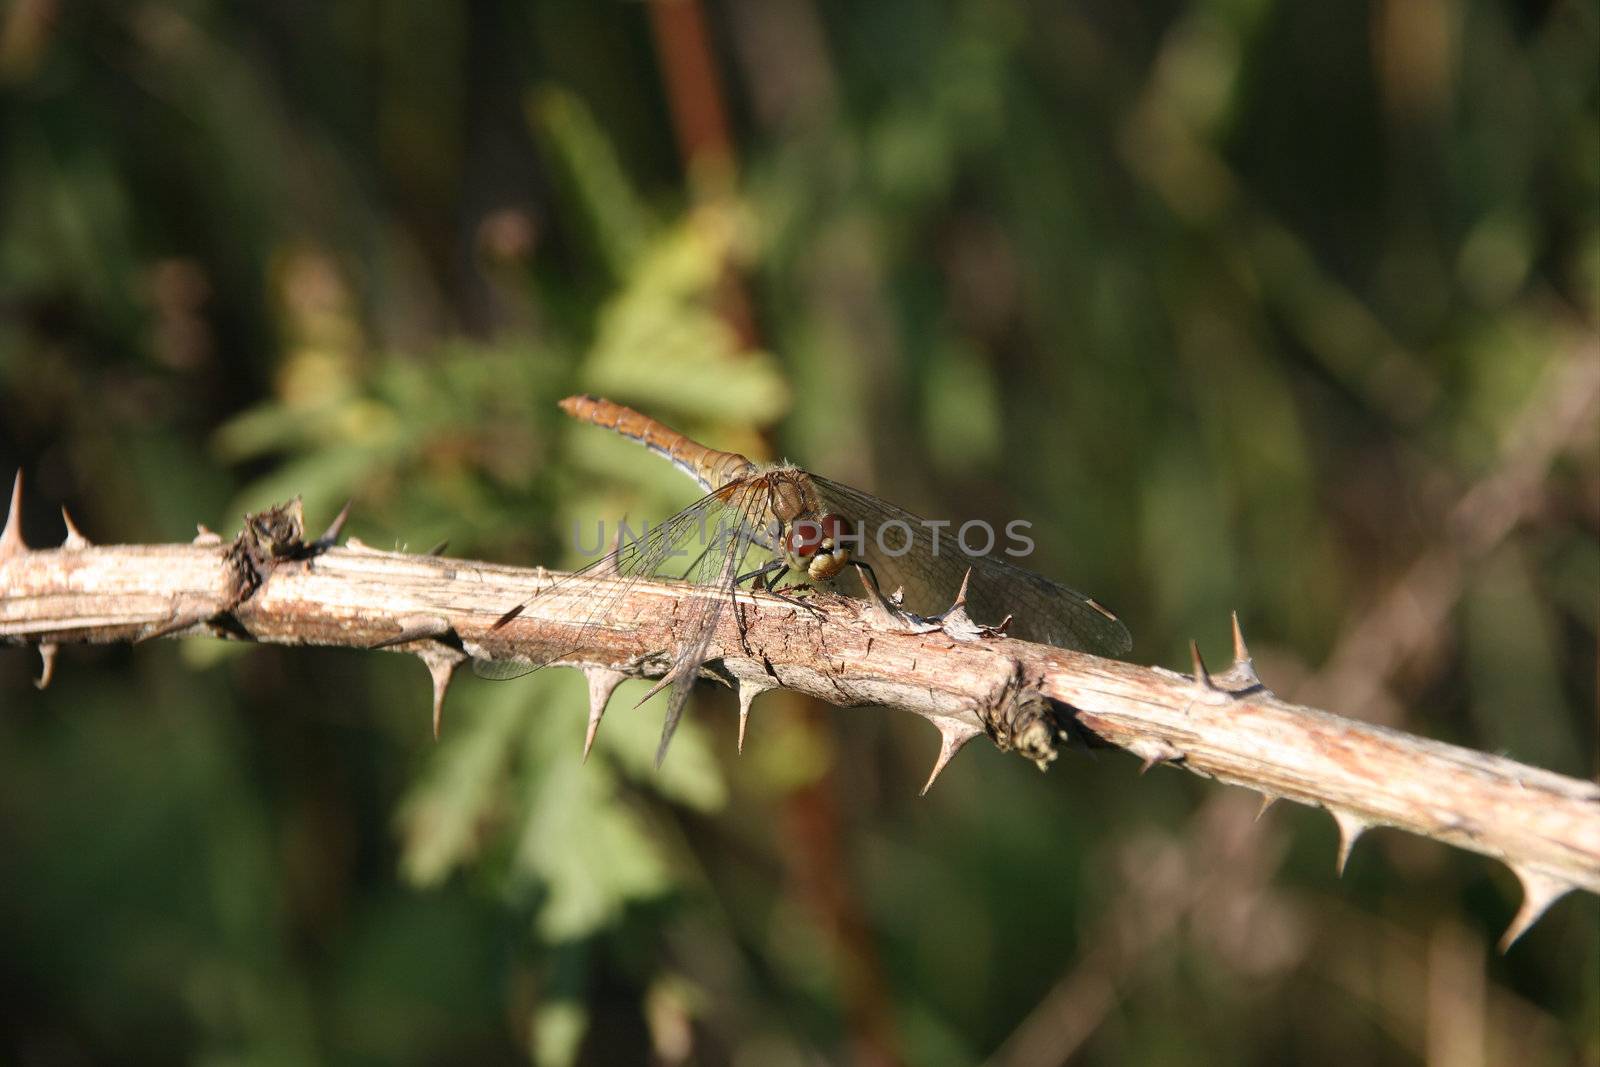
{"points": [[706, 544], [1041, 610], [685, 547], [718, 570]]}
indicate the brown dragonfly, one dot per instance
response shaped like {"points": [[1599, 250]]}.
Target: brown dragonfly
{"points": [[811, 529]]}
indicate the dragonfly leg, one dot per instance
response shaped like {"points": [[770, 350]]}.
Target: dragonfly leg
{"points": [[783, 595], [763, 574]]}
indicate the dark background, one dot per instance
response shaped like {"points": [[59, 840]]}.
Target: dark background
{"points": [[1274, 307]]}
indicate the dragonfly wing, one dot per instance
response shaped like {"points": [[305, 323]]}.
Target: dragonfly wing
{"points": [[931, 571], [705, 545], [716, 572], [674, 549]]}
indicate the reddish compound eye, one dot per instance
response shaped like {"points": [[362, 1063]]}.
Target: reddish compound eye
{"points": [[804, 538], [808, 535]]}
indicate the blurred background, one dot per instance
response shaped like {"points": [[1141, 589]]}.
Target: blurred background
{"points": [[1281, 308]]}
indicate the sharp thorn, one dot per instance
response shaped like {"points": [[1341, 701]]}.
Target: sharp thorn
{"points": [[330, 536], [961, 595], [1539, 891], [1267, 800], [205, 535], [75, 538], [1351, 827], [47, 664], [11, 542], [1153, 751], [1202, 677], [748, 691], [1241, 653], [438, 549], [953, 735], [602, 683], [441, 663], [610, 563]]}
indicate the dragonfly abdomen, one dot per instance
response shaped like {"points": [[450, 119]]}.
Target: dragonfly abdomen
{"points": [[708, 466]]}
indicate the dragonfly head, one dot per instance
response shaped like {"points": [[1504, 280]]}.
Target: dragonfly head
{"points": [[819, 546]]}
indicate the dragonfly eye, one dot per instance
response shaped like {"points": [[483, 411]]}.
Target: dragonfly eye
{"points": [[804, 538], [808, 535]]}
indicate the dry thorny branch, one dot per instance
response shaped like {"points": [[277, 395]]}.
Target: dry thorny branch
{"points": [[271, 585]]}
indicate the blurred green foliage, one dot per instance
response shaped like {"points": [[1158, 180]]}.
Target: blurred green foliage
{"points": [[1233, 301]]}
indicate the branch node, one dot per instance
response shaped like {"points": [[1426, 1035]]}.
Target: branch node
{"points": [[1018, 717]]}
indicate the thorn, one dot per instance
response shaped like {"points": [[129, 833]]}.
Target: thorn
{"points": [[11, 542], [1242, 672], [415, 628], [748, 691], [953, 735], [438, 549], [331, 535], [610, 563], [602, 683], [75, 538], [1153, 751], [47, 664], [1539, 891], [1267, 800], [441, 662], [1351, 827], [1241, 654], [961, 596], [205, 535], [1202, 677]]}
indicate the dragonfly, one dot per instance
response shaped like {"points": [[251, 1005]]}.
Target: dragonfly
{"points": [[812, 531]]}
